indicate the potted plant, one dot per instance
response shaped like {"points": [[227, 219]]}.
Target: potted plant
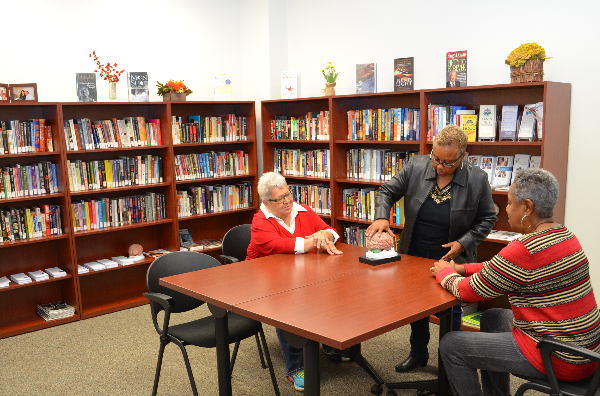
{"points": [[173, 90], [330, 76], [527, 63]]}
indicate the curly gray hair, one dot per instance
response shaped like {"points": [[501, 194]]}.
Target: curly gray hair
{"points": [[267, 181], [540, 186]]}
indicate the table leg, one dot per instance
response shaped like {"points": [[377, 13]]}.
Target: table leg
{"points": [[222, 338], [312, 374]]}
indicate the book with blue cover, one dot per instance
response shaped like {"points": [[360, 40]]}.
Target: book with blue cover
{"points": [[366, 78]]}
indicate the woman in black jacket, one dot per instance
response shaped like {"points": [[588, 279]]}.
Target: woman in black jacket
{"points": [[448, 212]]}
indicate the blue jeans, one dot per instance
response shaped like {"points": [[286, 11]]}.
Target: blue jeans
{"points": [[493, 350], [293, 357], [419, 336]]}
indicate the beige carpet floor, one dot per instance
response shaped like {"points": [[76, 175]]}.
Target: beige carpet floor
{"points": [[116, 355]]}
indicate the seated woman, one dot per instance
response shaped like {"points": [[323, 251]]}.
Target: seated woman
{"points": [[546, 276], [284, 226]]}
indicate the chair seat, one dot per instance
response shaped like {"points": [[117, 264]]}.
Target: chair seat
{"points": [[573, 388], [201, 332]]}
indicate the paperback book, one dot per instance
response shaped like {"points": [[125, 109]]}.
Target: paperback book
{"points": [[137, 83], [508, 126], [86, 87], [487, 122], [456, 69], [366, 78], [55, 310], [290, 84], [404, 74], [222, 86]]}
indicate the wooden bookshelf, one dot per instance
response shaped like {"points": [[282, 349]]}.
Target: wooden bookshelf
{"points": [[101, 292]]}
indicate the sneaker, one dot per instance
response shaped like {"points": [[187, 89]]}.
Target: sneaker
{"points": [[298, 380], [334, 353]]}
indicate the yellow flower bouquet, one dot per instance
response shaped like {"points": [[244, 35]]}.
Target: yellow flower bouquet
{"points": [[526, 63]]}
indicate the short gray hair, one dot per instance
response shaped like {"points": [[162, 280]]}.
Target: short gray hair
{"points": [[267, 181], [540, 186]]}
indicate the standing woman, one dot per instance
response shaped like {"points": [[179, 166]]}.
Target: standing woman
{"points": [[448, 211]]}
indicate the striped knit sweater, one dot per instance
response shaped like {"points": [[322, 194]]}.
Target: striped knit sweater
{"points": [[546, 277]]}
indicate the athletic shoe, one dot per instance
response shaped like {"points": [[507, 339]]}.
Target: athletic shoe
{"points": [[333, 352], [298, 380]]}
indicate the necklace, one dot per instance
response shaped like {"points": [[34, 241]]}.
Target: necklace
{"points": [[545, 222]]}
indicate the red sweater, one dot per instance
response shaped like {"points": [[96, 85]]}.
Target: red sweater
{"points": [[269, 237], [546, 277]]}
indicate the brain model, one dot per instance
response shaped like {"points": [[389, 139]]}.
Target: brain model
{"points": [[382, 241], [136, 250]]}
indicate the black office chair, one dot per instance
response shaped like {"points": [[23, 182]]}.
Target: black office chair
{"points": [[551, 386], [235, 244], [200, 332]]}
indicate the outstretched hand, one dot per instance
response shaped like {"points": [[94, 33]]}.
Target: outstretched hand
{"points": [[379, 226], [455, 249]]}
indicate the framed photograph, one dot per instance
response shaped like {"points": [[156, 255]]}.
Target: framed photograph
{"points": [[25, 92], [4, 93]]}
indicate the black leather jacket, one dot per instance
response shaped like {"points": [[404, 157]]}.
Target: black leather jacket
{"points": [[472, 213]]}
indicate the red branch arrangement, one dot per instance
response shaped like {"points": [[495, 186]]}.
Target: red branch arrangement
{"points": [[108, 72]]}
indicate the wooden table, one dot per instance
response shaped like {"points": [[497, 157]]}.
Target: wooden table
{"points": [[341, 302]]}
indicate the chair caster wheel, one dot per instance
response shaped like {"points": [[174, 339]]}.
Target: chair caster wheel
{"points": [[376, 390], [391, 393]]}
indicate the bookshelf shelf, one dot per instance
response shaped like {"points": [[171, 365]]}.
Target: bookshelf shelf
{"points": [[13, 286], [360, 181], [118, 189], [300, 141], [308, 178], [102, 292], [194, 217], [376, 142]]}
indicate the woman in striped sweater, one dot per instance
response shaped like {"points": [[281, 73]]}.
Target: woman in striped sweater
{"points": [[545, 274]]}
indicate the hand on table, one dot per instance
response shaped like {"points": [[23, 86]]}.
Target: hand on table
{"points": [[330, 248], [321, 238], [379, 226], [438, 265], [455, 249]]}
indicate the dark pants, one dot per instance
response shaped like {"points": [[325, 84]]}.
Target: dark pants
{"points": [[419, 336]]}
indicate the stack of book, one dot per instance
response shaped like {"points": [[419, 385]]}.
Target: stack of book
{"points": [[504, 235], [20, 278], [472, 319], [82, 270], [108, 263], [94, 266], [126, 260], [156, 253], [55, 310], [38, 275], [55, 272], [4, 282]]}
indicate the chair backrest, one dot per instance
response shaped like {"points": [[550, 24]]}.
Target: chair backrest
{"points": [[174, 264], [235, 242]]}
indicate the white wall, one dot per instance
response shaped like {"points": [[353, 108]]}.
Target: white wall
{"points": [[255, 39], [347, 32]]}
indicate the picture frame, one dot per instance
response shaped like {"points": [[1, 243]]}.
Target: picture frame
{"points": [[4, 93], [23, 92]]}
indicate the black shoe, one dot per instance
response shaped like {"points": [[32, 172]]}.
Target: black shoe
{"points": [[410, 363]]}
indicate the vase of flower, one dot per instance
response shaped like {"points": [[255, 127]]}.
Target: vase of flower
{"points": [[330, 77], [109, 73], [527, 63], [173, 91], [112, 90], [329, 89]]}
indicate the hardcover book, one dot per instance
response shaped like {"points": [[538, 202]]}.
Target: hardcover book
{"points": [[185, 237], [86, 87], [137, 84], [366, 78], [456, 69], [290, 84], [404, 74]]}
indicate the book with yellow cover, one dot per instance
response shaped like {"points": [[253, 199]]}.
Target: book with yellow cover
{"points": [[468, 123]]}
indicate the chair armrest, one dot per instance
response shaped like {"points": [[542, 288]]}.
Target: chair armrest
{"points": [[165, 302], [228, 259], [548, 344]]}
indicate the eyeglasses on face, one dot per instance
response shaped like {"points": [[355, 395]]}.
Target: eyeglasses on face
{"points": [[437, 162], [279, 200]]}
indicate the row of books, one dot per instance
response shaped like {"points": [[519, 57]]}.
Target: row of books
{"points": [[313, 126], [317, 197], [501, 169], [224, 128], [28, 223], [113, 212], [84, 134], [355, 235], [186, 242], [38, 276], [392, 124], [514, 123], [375, 164], [359, 203], [211, 164], [27, 180], [298, 162], [30, 136], [112, 173], [55, 310], [203, 199]]}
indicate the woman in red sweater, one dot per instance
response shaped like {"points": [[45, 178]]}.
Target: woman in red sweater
{"points": [[284, 226], [546, 276]]}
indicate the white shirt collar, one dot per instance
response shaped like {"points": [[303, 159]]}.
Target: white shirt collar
{"points": [[295, 209]]}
